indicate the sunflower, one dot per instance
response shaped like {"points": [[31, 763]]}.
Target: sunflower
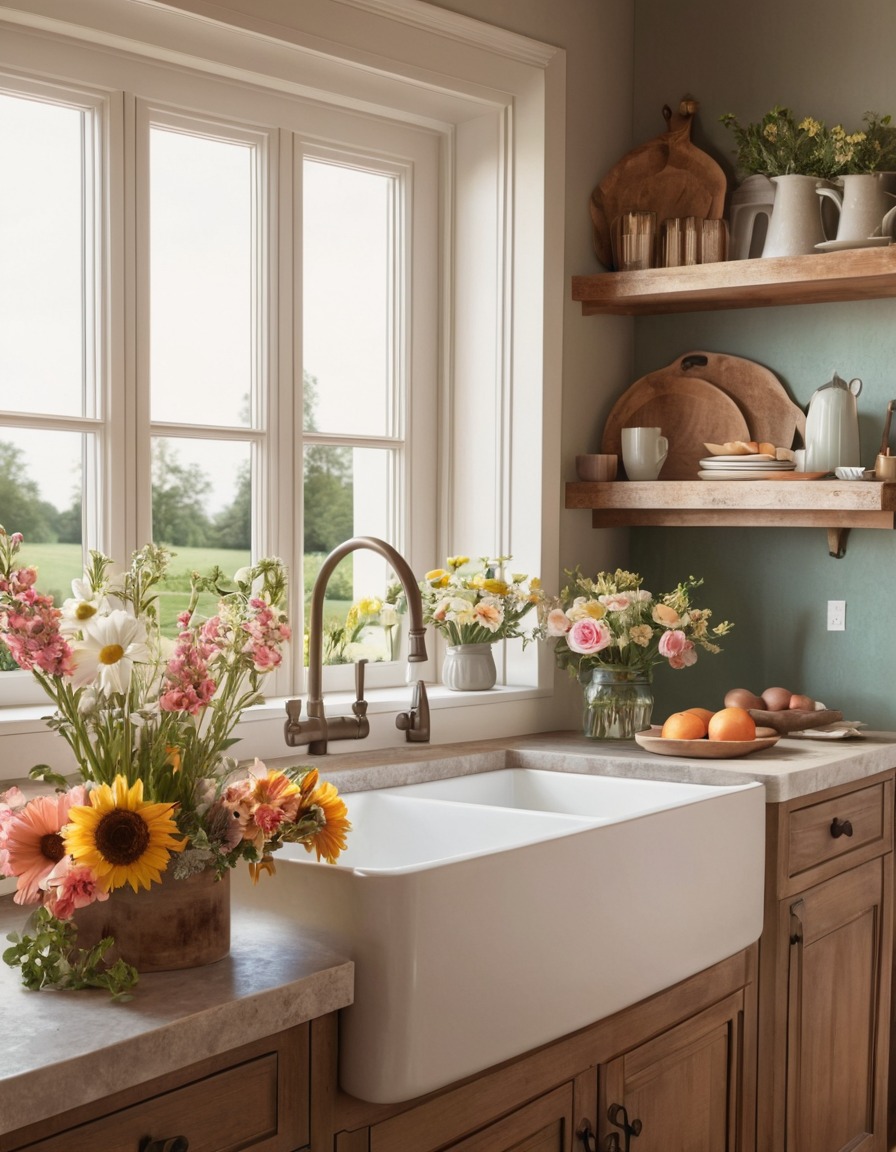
{"points": [[123, 839], [329, 841]]}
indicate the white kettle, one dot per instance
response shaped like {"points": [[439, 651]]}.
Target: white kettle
{"points": [[832, 426]]}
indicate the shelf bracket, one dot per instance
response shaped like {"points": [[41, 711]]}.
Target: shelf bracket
{"points": [[837, 542]]}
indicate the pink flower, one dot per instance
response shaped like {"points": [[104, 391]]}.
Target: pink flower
{"points": [[617, 602], [70, 886], [588, 636], [489, 614], [33, 842], [672, 643], [678, 650]]}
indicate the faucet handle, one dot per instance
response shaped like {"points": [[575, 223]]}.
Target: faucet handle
{"points": [[415, 723], [294, 710], [360, 705]]}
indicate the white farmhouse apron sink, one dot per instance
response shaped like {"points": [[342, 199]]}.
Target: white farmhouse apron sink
{"points": [[490, 913]]}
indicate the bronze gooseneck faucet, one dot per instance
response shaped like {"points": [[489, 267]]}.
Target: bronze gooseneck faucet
{"points": [[317, 730]]}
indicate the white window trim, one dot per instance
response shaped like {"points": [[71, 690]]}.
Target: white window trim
{"points": [[408, 59]]}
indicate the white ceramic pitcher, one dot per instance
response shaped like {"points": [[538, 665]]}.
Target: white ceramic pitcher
{"points": [[864, 205], [795, 227]]}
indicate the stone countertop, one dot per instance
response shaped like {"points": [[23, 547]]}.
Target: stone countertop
{"points": [[63, 1049], [794, 767], [274, 977]]}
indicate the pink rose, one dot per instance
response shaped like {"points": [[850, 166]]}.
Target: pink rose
{"points": [[558, 622], [588, 636], [672, 643], [686, 657]]}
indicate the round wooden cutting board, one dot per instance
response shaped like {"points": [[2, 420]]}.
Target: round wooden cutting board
{"points": [[689, 413]]}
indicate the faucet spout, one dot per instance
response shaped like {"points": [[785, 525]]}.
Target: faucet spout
{"points": [[317, 729]]}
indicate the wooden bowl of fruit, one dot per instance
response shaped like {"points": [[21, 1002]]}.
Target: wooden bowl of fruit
{"points": [[700, 733]]}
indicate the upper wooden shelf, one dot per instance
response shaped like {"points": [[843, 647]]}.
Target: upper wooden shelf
{"points": [[836, 505], [828, 277]]}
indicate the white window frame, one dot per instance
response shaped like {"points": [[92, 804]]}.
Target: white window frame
{"points": [[498, 101]]}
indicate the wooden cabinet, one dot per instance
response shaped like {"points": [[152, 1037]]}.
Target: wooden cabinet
{"points": [[825, 972], [682, 1061], [681, 1089], [252, 1099]]}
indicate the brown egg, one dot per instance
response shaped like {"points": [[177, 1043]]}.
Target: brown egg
{"points": [[743, 698], [802, 703], [776, 699]]}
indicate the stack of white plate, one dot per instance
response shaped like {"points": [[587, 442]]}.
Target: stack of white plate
{"points": [[756, 466]]}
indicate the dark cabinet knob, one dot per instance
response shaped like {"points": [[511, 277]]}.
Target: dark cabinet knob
{"points": [[840, 828], [169, 1144]]}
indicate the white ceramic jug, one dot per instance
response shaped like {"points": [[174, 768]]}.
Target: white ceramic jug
{"points": [[751, 201], [864, 205], [832, 426], [796, 226]]}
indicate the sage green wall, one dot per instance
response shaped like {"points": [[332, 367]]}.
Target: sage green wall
{"points": [[835, 62]]}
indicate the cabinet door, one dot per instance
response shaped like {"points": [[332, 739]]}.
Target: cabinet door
{"points": [[837, 1012], [545, 1125], [684, 1086]]}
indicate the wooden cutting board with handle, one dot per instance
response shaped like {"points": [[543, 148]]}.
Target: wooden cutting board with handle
{"points": [[771, 414], [667, 175], [688, 411]]}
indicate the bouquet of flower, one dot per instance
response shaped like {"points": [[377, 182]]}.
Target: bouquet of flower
{"points": [[150, 723], [781, 145], [481, 605], [612, 622]]}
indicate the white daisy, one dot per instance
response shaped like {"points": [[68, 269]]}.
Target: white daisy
{"points": [[83, 605], [109, 648]]}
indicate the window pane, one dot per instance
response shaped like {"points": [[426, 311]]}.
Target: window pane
{"points": [[347, 493], [202, 511], [43, 294], [203, 300], [347, 255]]}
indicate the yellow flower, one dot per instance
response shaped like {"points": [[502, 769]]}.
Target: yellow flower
{"points": [[329, 841], [369, 606], [455, 562], [438, 578], [123, 839], [495, 587]]}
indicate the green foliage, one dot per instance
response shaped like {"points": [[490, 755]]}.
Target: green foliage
{"points": [[779, 145], [51, 959]]}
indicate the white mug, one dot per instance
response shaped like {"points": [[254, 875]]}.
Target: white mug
{"points": [[644, 452]]}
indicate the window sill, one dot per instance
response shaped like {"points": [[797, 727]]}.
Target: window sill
{"points": [[502, 711]]}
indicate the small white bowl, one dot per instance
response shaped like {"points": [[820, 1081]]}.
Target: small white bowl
{"points": [[849, 473]]}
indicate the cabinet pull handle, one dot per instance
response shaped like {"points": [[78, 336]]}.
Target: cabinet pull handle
{"points": [[169, 1144], [585, 1133], [840, 827], [618, 1116], [796, 924]]}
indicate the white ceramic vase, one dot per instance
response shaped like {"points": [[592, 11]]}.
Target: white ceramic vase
{"points": [[469, 668]]}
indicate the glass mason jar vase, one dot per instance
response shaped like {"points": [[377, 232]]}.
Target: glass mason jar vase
{"points": [[618, 703]]}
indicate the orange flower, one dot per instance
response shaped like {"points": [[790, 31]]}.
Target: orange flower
{"points": [[330, 840]]}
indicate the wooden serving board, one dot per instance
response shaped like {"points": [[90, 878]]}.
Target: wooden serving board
{"points": [[795, 720], [667, 175], [771, 415], [688, 411]]}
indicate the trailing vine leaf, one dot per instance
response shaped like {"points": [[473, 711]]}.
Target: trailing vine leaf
{"points": [[51, 959]]}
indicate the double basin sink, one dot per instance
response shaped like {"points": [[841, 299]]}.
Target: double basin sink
{"points": [[490, 913]]}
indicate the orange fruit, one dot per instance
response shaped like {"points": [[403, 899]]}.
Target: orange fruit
{"points": [[683, 726], [732, 723], [705, 714]]}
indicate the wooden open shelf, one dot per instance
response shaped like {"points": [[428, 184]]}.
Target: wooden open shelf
{"points": [[836, 505], [827, 277]]}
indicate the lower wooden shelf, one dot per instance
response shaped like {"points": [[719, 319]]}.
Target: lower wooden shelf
{"points": [[836, 505]]}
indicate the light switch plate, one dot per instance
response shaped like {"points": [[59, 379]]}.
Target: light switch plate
{"points": [[836, 615]]}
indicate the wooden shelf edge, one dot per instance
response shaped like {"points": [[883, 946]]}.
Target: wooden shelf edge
{"points": [[828, 277], [814, 498]]}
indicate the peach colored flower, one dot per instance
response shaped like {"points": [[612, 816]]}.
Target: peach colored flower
{"points": [[34, 843]]}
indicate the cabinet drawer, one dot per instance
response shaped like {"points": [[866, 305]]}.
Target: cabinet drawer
{"points": [[855, 825], [257, 1104]]}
